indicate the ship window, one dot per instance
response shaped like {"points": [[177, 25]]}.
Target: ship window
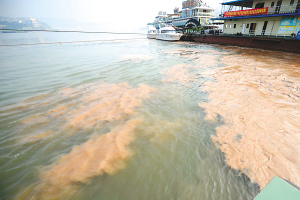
{"points": [[204, 10], [292, 2], [247, 26], [168, 31], [260, 5], [230, 26], [234, 26], [272, 4], [252, 28], [226, 26]]}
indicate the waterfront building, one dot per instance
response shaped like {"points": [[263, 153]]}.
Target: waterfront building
{"points": [[34, 22], [261, 17]]}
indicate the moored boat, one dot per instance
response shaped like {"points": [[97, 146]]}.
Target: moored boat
{"points": [[168, 33], [151, 31], [195, 16]]}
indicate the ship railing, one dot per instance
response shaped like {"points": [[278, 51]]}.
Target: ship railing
{"points": [[292, 8], [203, 14], [262, 33]]}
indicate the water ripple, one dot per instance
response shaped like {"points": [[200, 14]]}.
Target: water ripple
{"points": [[64, 98]]}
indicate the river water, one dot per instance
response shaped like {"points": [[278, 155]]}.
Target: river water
{"points": [[133, 118]]}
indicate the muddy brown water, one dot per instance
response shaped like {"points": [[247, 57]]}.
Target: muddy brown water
{"points": [[146, 119]]}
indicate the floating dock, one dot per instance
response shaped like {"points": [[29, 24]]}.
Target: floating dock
{"points": [[270, 43]]}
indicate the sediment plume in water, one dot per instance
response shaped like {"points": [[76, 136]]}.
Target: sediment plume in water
{"points": [[90, 106], [257, 94], [182, 51], [107, 104], [200, 58], [160, 131], [177, 73], [205, 61], [112, 104], [105, 154], [134, 57]]}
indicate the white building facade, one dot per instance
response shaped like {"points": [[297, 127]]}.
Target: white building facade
{"points": [[261, 17]]}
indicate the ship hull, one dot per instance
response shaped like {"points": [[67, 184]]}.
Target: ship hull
{"points": [[151, 36], [168, 37], [279, 44]]}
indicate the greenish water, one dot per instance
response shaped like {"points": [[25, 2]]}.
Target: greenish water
{"points": [[173, 156]]}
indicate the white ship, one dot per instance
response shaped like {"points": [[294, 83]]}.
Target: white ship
{"points": [[195, 16], [168, 33], [151, 31]]}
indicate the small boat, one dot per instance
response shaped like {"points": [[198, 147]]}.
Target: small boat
{"points": [[168, 33], [151, 31]]}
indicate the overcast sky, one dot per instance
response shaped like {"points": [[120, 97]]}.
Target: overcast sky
{"points": [[117, 14]]}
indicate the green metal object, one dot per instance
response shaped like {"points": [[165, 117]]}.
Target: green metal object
{"points": [[279, 189]]}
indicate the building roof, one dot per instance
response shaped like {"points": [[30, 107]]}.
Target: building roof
{"points": [[186, 22], [244, 3], [180, 22]]}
